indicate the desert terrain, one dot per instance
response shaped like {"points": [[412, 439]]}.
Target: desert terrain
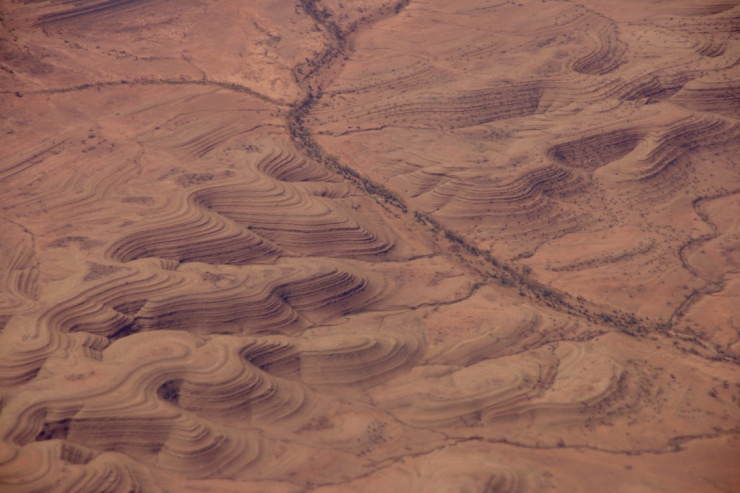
{"points": [[369, 246]]}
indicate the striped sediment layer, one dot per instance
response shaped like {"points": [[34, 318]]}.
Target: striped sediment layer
{"points": [[189, 302]]}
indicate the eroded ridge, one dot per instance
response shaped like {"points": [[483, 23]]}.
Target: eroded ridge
{"points": [[368, 245], [602, 144]]}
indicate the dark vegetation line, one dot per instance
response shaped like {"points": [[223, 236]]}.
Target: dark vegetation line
{"points": [[483, 262], [303, 138], [711, 286], [310, 76], [149, 82], [312, 81]]}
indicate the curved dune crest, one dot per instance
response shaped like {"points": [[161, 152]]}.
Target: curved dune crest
{"points": [[358, 361], [595, 151], [214, 239], [609, 135], [608, 55], [369, 245], [91, 11], [19, 270], [313, 225], [495, 392], [710, 94]]}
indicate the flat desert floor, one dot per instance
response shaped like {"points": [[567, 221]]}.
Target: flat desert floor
{"points": [[369, 246]]}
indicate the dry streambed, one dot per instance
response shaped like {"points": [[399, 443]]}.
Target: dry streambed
{"points": [[196, 296]]}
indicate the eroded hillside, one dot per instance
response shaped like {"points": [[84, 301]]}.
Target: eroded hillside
{"points": [[369, 246]]}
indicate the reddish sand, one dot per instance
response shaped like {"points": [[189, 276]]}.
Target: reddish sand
{"points": [[369, 246]]}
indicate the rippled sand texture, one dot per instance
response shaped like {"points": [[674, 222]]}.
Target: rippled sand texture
{"points": [[195, 296], [583, 140]]}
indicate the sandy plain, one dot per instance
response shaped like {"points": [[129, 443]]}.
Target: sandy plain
{"points": [[369, 246]]}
